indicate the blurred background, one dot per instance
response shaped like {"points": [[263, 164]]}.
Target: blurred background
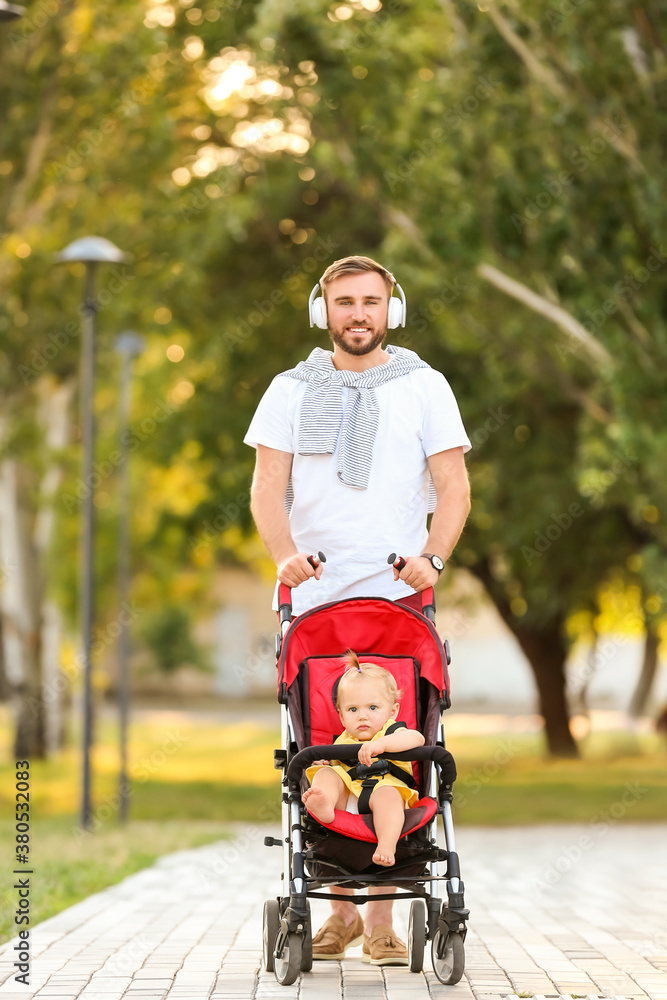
{"points": [[506, 161]]}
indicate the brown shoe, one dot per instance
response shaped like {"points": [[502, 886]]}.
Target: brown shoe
{"points": [[334, 938], [382, 947]]}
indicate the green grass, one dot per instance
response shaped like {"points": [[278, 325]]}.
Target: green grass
{"points": [[69, 866], [190, 778], [507, 780]]}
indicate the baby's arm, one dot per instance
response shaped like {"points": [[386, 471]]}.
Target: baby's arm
{"points": [[403, 739]]}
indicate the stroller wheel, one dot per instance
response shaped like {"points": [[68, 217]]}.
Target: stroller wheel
{"points": [[307, 949], [417, 935], [270, 928], [288, 962], [448, 957]]}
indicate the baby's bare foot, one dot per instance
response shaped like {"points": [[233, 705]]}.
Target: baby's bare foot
{"points": [[384, 855], [319, 805]]}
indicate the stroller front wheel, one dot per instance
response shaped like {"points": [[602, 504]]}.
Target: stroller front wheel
{"points": [[288, 962], [448, 957]]}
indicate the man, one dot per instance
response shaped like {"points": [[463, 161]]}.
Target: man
{"points": [[353, 443]]}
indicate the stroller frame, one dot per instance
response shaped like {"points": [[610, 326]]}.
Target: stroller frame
{"points": [[287, 930]]}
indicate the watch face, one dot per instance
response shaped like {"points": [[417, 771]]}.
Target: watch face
{"points": [[437, 563]]}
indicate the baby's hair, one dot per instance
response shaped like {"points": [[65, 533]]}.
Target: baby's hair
{"points": [[373, 671]]}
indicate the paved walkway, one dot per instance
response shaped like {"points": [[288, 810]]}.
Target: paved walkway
{"points": [[555, 911]]}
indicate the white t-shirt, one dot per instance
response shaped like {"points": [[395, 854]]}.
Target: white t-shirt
{"points": [[357, 529]]}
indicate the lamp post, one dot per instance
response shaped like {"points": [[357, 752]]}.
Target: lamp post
{"points": [[91, 251], [129, 344], [10, 11]]}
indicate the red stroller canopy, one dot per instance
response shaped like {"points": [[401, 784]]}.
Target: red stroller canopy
{"points": [[367, 625]]}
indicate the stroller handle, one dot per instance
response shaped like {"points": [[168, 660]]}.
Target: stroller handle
{"points": [[285, 592], [441, 757]]}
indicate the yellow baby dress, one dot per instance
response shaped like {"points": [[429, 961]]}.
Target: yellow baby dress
{"points": [[410, 795]]}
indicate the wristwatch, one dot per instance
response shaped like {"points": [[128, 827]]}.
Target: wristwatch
{"points": [[435, 561]]}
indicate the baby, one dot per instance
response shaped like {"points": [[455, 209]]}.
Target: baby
{"points": [[367, 703]]}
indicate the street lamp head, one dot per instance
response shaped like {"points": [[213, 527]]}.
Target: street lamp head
{"points": [[129, 344], [91, 250], [10, 11]]}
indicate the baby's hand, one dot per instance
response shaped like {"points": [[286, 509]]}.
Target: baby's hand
{"points": [[321, 763], [369, 750]]}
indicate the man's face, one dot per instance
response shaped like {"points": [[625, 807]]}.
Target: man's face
{"points": [[357, 311]]}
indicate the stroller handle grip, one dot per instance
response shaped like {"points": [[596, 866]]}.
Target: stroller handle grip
{"points": [[285, 592], [440, 756]]}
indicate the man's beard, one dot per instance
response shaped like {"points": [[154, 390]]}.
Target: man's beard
{"points": [[376, 339]]}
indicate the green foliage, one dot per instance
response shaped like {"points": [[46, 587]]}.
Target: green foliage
{"points": [[167, 634], [440, 137]]}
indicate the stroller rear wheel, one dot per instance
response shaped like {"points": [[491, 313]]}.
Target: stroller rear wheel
{"points": [[417, 935], [288, 962], [448, 957], [270, 928]]}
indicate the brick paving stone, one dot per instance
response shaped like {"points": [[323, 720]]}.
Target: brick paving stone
{"points": [[544, 921]]}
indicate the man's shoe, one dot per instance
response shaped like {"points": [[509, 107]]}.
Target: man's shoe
{"points": [[334, 938], [382, 947]]}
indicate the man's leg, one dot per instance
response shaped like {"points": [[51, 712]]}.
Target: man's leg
{"points": [[342, 930], [348, 911], [381, 944], [380, 912]]}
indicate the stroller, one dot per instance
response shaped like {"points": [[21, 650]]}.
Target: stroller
{"points": [[315, 856]]}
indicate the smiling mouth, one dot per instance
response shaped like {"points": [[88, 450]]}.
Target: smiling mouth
{"points": [[357, 329]]}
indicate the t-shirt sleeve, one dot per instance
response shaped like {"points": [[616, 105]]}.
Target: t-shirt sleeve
{"points": [[443, 427], [271, 425]]}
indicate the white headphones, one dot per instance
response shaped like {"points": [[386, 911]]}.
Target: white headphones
{"points": [[317, 309]]}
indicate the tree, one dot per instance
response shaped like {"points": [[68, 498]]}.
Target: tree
{"points": [[477, 148], [505, 162]]}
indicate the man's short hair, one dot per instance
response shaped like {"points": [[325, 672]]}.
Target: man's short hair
{"points": [[356, 265]]}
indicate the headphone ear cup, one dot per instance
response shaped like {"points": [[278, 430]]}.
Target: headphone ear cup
{"points": [[394, 313], [319, 313]]}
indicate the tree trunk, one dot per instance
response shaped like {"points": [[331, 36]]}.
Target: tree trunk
{"points": [[21, 598], [55, 418], [649, 667], [546, 653], [30, 621]]}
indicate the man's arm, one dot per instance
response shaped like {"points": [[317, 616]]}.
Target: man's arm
{"points": [[452, 487], [450, 478], [267, 495]]}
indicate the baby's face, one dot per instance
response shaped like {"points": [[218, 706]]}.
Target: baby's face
{"points": [[364, 707]]}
